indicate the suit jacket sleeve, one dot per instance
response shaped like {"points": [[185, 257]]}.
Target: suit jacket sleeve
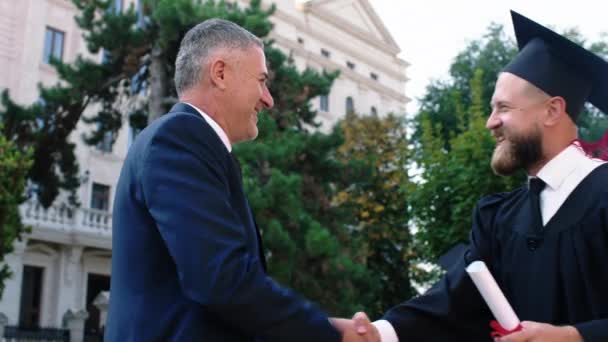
{"points": [[185, 188], [453, 309]]}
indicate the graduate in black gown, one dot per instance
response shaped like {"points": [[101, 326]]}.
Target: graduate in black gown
{"points": [[546, 243]]}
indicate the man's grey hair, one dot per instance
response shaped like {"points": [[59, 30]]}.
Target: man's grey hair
{"points": [[202, 41]]}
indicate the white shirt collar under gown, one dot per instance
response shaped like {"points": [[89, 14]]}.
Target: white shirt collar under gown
{"points": [[562, 174]]}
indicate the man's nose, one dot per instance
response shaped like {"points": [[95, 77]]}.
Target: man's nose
{"points": [[493, 121], [267, 99]]}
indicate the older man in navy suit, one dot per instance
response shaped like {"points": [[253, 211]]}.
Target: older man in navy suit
{"points": [[187, 256]]}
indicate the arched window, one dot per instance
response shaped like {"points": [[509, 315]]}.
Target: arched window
{"points": [[324, 103], [350, 105]]}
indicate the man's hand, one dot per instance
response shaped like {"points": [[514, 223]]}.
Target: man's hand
{"points": [[365, 328], [359, 329], [541, 332], [346, 327]]}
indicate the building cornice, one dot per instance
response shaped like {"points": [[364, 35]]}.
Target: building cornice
{"points": [[65, 4], [342, 47], [369, 11], [344, 71], [354, 31], [79, 238], [402, 62], [379, 23]]}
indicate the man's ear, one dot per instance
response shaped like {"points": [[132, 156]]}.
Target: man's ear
{"points": [[556, 110], [217, 72]]}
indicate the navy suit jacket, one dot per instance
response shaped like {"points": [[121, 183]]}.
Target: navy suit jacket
{"points": [[186, 261]]}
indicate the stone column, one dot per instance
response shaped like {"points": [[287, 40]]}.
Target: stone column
{"points": [[70, 288], [3, 323], [9, 303], [74, 321]]}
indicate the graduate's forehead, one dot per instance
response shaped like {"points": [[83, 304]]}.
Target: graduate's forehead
{"points": [[509, 89]]}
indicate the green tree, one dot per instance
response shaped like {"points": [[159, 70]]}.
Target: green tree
{"points": [[592, 123], [14, 165], [289, 178], [455, 179], [374, 189], [443, 99]]}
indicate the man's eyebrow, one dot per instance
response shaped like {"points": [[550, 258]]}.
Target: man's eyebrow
{"points": [[499, 103]]}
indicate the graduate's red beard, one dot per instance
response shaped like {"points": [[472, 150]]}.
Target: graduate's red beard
{"points": [[516, 151]]}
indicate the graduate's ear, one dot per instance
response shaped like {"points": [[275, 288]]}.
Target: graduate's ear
{"points": [[217, 72], [556, 111]]}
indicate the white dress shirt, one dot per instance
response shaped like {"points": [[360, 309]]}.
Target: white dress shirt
{"points": [[561, 174], [216, 128]]}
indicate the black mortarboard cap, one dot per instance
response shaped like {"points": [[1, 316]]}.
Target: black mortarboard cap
{"points": [[559, 66]]}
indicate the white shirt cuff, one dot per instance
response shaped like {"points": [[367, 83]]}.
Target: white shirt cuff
{"points": [[386, 331]]}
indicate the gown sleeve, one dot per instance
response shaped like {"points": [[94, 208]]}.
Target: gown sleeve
{"points": [[453, 309], [597, 330]]}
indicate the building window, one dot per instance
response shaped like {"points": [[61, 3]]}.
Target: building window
{"points": [[53, 44], [374, 76], [133, 132], [138, 81], [324, 105], [350, 105], [40, 121], [96, 283], [300, 40], [117, 6], [100, 197], [31, 296], [105, 57], [325, 53], [105, 145], [374, 111], [350, 65], [142, 19]]}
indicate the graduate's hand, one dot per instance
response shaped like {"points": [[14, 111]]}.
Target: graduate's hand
{"points": [[542, 332]]}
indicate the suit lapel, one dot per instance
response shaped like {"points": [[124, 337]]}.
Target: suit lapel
{"points": [[260, 245], [237, 166]]}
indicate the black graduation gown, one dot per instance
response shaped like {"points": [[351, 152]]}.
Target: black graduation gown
{"points": [[559, 277]]}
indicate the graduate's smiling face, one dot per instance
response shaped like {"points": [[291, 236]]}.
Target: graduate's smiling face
{"points": [[514, 124]]}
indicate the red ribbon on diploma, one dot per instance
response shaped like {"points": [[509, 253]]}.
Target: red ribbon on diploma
{"points": [[499, 331]]}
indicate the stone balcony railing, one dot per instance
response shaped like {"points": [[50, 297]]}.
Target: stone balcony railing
{"points": [[60, 220]]}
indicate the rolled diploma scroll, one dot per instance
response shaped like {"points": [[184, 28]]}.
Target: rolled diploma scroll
{"points": [[491, 293]]}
